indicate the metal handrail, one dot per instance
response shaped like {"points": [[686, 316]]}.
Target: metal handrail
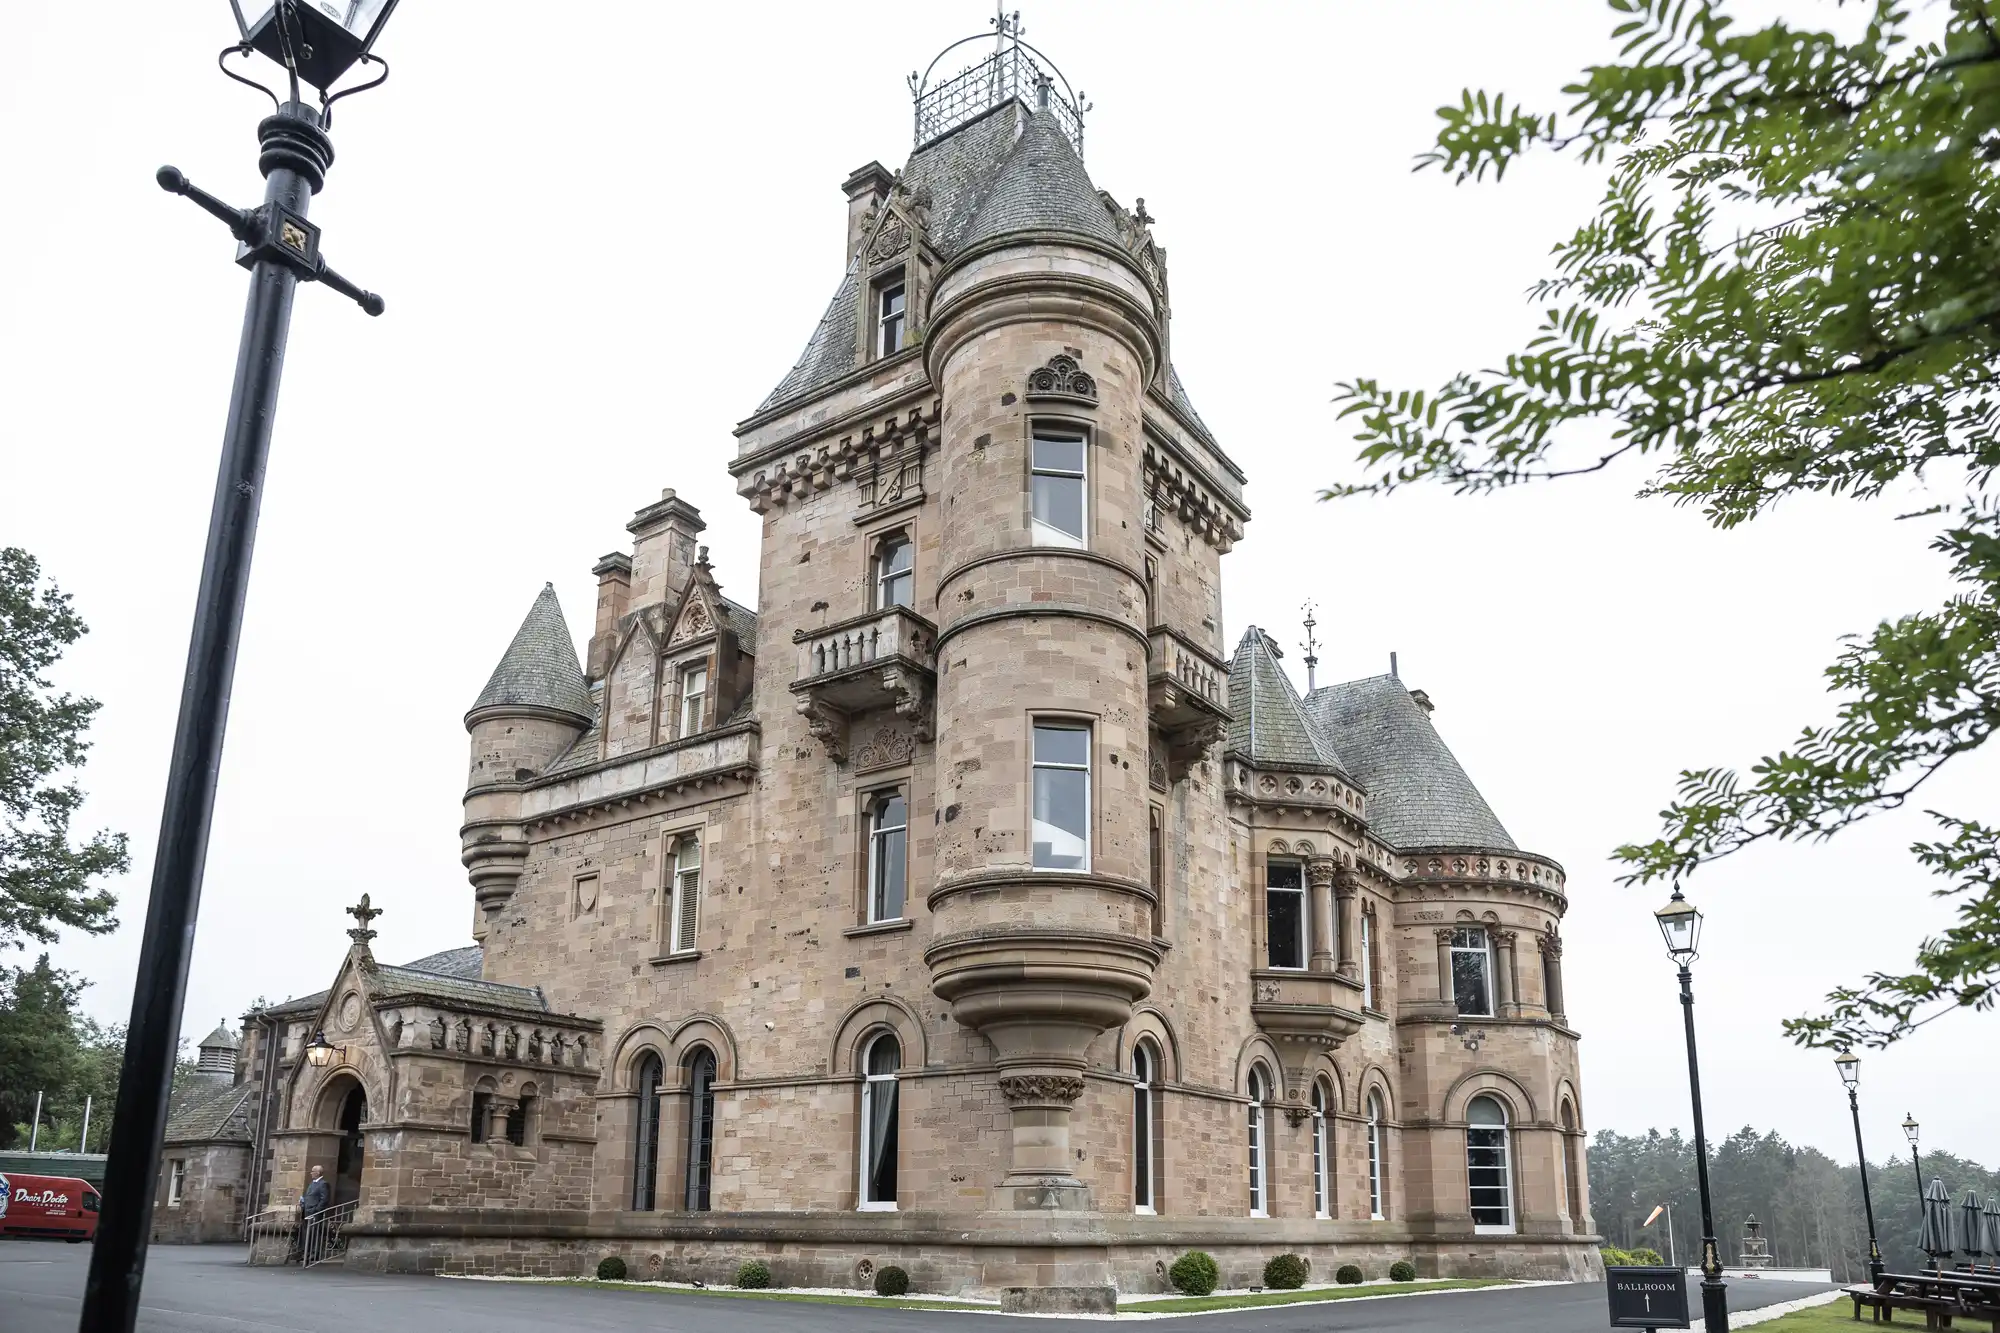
{"points": [[323, 1236]]}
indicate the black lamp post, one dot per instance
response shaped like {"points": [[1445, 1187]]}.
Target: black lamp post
{"points": [[1680, 923], [1910, 1133], [281, 249], [1849, 1066]]}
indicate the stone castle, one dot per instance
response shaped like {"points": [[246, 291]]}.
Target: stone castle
{"points": [[967, 905]]}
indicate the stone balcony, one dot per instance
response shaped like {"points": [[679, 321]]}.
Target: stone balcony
{"points": [[1187, 692], [1304, 1011], [884, 659]]}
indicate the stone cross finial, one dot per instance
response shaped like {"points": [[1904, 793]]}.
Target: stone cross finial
{"points": [[1139, 213], [362, 914]]}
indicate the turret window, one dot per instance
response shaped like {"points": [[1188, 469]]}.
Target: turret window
{"points": [[1059, 474], [1260, 1172], [1285, 914], [1378, 1156], [1368, 960], [1061, 834], [895, 571], [1488, 1174], [891, 317], [1472, 971], [1322, 1154]]}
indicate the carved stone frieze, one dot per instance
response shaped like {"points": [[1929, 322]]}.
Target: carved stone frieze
{"points": [[816, 467], [1062, 380], [888, 747]]}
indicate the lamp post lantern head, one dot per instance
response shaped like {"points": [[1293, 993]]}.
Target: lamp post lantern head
{"points": [[1680, 924], [1910, 1129], [321, 39], [1849, 1065], [320, 1051]]}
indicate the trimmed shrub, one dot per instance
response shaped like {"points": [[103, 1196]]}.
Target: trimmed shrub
{"points": [[1349, 1275], [1194, 1273], [753, 1275], [610, 1269], [1617, 1258], [1285, 1272], [1402, 1271], [891, 1281]]}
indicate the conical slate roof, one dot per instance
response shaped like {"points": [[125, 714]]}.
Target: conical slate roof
{"points": [[540, 667], [1418, 795], [1042, 186], [1010, 169], [1267, 722], [222, 1037]]}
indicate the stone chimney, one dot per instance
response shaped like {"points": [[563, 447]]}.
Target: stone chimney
{"points": [[663, 548], [866, 190], [614, 594]]}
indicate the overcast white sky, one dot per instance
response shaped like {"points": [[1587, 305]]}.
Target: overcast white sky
{"points": [[603, 241]]}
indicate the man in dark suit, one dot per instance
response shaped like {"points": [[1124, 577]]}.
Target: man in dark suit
{"points": [[311, 1204]]}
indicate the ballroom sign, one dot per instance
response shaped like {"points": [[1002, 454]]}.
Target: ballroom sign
{"points": [[1647, 1297]]}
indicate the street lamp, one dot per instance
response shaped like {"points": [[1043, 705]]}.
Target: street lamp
{"points": [[317, 40], [1910, 1133], [1849, 1065], [1680, 926], [320, 1051]]}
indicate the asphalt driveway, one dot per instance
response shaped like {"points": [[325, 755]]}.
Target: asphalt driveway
{"points": [[208, 1289]]}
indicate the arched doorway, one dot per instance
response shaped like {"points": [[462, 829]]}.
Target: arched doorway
{"points": [[347, 1162]]}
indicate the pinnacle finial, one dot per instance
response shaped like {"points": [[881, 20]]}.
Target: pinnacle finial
{"points": [[1311, 645], [362, 913]]}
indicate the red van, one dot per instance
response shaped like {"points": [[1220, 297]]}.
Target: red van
{"points": [[61, 1206]]}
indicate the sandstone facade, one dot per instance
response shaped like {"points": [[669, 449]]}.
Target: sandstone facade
{"points": [[969, 905]]}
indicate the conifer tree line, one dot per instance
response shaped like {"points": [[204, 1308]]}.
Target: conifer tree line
{"points": [[1809, 1204]]}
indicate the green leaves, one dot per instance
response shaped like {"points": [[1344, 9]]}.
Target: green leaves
{"points": [[45, 880], [1845, 343]]}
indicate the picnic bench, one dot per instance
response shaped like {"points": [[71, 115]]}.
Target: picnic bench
{"points": [[1942, 1298]]}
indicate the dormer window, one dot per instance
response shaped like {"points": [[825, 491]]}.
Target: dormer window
{"points": [[694, 698], [891, 316], [895, 576]]}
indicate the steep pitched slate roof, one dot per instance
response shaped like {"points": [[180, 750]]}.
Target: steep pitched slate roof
{"points": [[411, 981], [1418, 795], [466, 963], [463, 964], [1267, 722], [540, 667], [214, 1109], [222, 1036]]}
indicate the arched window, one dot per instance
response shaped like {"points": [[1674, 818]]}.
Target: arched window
{"points": [[1145, 1127], [1260, 1091], [646, 1131], [1322, 1156], [1472, 971], [1572, 1191], [878, 1122], [519, 1116], [1378, 1158], [895, 571], [700, 1066], [1488, 1175]]}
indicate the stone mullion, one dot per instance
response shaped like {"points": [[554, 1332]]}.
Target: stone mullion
{"points": [[1506, 982], [1445, 995]]}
